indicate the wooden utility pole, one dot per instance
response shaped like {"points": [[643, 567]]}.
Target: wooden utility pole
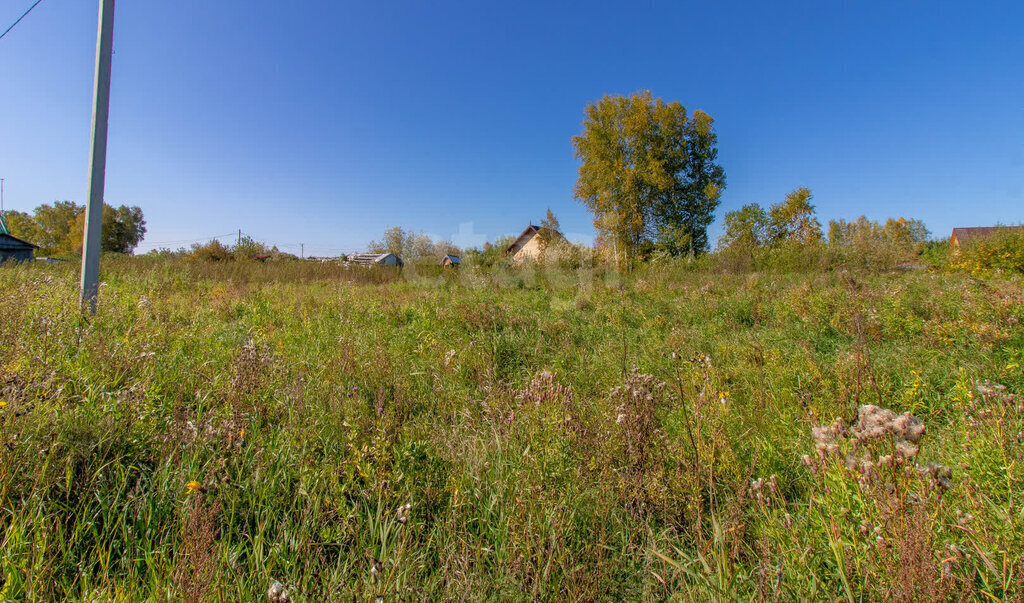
{"points": [[90, 286]]}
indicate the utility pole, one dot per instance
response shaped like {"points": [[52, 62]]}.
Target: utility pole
{"points": [[302, 253], [239, 242], [90, 286], [1, 197]]}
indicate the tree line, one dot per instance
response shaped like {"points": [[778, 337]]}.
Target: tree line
{"points": [[649, 175], [58, 228]]}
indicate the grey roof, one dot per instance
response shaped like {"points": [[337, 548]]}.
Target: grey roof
{"points": [[366, 259], [10, 243]]}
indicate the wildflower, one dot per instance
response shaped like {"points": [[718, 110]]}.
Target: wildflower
{"points": [[952, 560], [277, 593], [941, 475], [403, 513], [905, 450], [3, 403], [723, 397], [193, 486]]}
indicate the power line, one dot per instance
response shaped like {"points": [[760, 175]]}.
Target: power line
{"points": [[177, 241], [23, 15]]}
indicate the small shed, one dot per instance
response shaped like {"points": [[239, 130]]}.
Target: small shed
{"points": [[375, 259], [450, 261], [966, 236], [13, 248]]}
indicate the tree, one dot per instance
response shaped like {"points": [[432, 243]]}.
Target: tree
{"points": [[549, 229], [58, 229], [906, 231], [55, 223], [490, 255], [22, 226], [395, 240], [870, 244], [123, 228], [213, 251], [745, 228], [550, 222], [411, 246], [793, 220], [648, 173]]}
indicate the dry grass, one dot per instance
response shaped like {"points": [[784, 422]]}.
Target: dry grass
{"points": [[673, 434]]}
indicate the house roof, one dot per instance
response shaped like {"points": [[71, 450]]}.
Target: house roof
{"points": [[523, 238], [454, 259], [371, 258], [10, 243], [977, 232], [528, 234]]}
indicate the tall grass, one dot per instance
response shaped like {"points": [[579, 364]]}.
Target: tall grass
{"points": [[217, 428]]}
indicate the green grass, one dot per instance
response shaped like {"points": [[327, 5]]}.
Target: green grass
{"points": [[559, 435]]}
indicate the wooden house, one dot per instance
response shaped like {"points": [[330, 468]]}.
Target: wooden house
{"points": [[13, 248], [966, 236], [451, 261], [529, 245]]}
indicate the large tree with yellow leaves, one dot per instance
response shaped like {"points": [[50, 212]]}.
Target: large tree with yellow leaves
{"points": [[648, 174]]}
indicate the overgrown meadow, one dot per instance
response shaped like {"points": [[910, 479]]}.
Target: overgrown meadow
{"points": [[307, 432]]}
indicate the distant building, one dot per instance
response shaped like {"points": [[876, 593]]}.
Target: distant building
{"points": [[451, 261], [13, 248], [966, 236], [529, 244], [375, 259]]}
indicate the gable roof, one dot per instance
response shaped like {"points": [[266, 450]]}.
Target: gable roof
{"points": [[11, 243], [978, 232], [521, 240], [366, 259], [530, 232], [454, 259]]}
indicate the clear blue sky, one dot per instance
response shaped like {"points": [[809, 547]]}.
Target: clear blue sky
{"points": [[324, 122]]}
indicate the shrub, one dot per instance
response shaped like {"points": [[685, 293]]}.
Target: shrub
{"points": [[1003, 250]]}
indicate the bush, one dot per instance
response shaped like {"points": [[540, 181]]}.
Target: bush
{"points": [[867, 244], [1003, 250], [214, 251]]}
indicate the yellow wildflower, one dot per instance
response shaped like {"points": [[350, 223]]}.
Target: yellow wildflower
{"points": [[3, 403], [193, 486]]}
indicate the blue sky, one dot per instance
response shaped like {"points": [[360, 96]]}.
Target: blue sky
{"points": [[325, 122]]}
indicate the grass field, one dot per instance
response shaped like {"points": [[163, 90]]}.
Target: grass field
{"points": [[557, 436]]}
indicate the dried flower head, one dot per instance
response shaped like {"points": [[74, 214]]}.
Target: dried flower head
{"points": [[277, 593]]}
